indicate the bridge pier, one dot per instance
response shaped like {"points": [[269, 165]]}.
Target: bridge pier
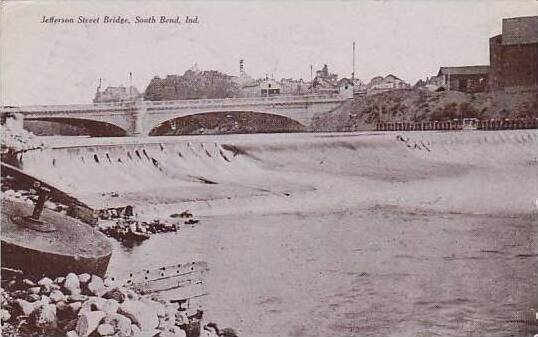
{"points": [[138, 128]]}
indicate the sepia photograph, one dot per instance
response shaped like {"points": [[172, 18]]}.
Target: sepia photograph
{"points": [[269, 168]]}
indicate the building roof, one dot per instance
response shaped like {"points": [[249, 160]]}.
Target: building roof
{"points": [[392, 76], [464, 70], [521, 30]]}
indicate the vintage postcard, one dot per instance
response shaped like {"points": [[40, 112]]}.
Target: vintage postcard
{"points": [[270, 168]]}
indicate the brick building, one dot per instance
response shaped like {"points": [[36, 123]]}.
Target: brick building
{"points": [[514, 55]]}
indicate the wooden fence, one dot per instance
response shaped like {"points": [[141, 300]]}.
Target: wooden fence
{"points": [[492, 124]]}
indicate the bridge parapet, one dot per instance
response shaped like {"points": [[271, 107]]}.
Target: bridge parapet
{"points": [[244, 101], [69, 108]]}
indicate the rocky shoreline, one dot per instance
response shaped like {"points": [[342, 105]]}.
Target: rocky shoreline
{"points": [[88, 305]]}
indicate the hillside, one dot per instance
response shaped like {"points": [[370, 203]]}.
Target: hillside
{"points": [[422, 105]]}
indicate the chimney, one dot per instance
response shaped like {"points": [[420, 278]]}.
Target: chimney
{"points": [[241, 67]]}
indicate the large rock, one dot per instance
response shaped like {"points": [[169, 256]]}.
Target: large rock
{"points": [[84, 278], [44, 317], [140, 314], [110, 306], [45, 281], [93, 303], [25, 307], [5, 315], [116, 294], [88, 322], [34, 290], [72, 284], [121, 324], [105, 329], [28, 283], [57, 296], [96, 286]]}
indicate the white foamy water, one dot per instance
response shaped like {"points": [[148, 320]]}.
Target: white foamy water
{"points": [[425, 234]]}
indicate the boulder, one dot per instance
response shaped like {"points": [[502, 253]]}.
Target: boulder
{"points": [[5, 315], [45, 299], [140, 314], [44, 317], [88, 322], [93, 303], [84, 278], [57, 296], [105, 329], [72, 284], [45, 281], [25, 307], [120, 323], [116, 294], [59, 280], [28, 283], [96, 286], [110, 306], [34, 290]]}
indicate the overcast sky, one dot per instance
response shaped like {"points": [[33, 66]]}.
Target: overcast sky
{"points": [[45, 63]]}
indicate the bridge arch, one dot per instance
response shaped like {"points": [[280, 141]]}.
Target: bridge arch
{"points": [[93, 128], [229, 121]]}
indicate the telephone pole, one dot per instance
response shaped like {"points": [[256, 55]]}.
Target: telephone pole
{"points": [[353, 73]]}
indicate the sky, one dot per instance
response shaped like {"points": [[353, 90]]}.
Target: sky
{"points": [[47, 63]]}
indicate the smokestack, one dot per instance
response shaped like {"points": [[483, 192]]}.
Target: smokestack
{"points": [[241, 67]]}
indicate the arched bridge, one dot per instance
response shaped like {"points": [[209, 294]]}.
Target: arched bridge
{"points": [[138, 118]]}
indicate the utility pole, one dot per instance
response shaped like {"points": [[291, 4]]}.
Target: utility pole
{"points": [[353, 73], [130, 83], [311, 81]]}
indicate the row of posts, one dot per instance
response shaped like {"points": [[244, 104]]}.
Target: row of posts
{"points": [[492, 124]]}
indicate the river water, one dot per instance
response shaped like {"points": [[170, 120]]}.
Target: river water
{"points": [[428, 234]]}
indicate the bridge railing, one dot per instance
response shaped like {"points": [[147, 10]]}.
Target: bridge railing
{"points": [[91, 107], [55, 108]]}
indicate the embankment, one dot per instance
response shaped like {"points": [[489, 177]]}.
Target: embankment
{"points": [[423, 105]]}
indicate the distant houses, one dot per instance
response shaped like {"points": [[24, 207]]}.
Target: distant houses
{"points": [[387, 83], [116, 94]]}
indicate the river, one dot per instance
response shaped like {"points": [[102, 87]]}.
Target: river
{"points": [[362, 234]]}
